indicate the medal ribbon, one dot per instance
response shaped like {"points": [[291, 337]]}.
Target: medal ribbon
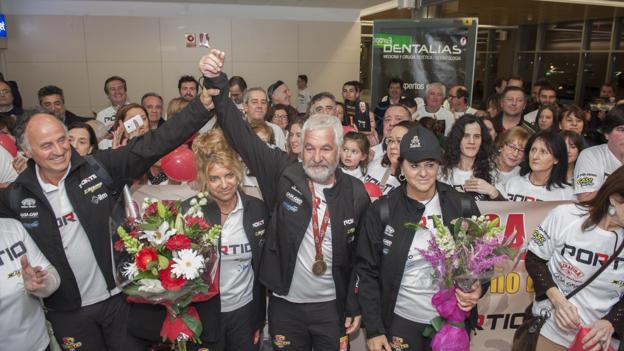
{"points": [[319, 233]]}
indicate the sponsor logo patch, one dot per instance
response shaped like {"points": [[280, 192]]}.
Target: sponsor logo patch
{"points": [[289, 207], [87, 180], [29, 203], [280, 341], [294, 198], [71, 344], [398, 343]]}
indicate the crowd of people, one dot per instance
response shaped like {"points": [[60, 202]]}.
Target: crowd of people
{"points": [[286, 181]]}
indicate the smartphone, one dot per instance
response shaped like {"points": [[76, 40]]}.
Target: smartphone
{"points": [[133, 124]]}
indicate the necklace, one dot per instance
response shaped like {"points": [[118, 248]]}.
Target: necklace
{"points": [[428, 201]]}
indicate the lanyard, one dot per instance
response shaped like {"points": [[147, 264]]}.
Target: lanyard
{"points": [[319, 233]]}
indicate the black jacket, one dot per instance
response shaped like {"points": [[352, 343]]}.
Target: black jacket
{"points": [[147, 319], [284, 187], [380, 274], [70, 118], [92, 199]]}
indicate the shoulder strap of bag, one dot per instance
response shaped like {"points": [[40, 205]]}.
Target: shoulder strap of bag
{"points": [[100, 171], [602, 268]]}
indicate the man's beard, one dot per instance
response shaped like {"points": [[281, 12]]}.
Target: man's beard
{"points": [[319, 172]]}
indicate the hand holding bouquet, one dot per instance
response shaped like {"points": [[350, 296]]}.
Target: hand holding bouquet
{"points": [[459, 261], [170, 258]]}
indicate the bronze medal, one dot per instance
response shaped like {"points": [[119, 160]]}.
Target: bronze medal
{"points": [[319, 267]]}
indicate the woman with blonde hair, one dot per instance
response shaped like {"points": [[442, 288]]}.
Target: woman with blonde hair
{"points": [[232, 320]]}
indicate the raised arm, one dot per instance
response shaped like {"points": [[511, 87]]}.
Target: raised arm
{"points": [[265, 164]]}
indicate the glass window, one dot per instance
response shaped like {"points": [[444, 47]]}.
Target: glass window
{"points": [[527, 36], [618, 75], [594, 73], [563, 36], [482, 39], [560, 69], [525, 66], [600, 37]]}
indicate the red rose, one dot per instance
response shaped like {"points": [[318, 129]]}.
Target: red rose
{"points": [[178, 242], [201, 222], [150, 210], [119, 245], [145, 256], [169, 280]]}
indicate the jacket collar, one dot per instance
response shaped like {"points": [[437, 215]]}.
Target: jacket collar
{"points": [[28, 178]]}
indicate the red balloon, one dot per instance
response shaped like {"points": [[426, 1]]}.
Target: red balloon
{"points": [[8, 143], [577, 344], [347, 129], [373, 190], [179, 164]]}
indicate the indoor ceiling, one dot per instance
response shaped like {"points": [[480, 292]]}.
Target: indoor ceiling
{"points": [[512, 12], [347, 4]]}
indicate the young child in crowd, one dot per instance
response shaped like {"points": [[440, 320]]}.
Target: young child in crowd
{"points": [[355, 153]]}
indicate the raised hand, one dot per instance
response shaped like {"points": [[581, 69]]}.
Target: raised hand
{"points": [[34, 277], [211, 65]]}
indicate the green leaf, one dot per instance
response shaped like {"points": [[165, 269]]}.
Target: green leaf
{"points": [[149, 226], [437, 323], [161, 209], [163, 262], [151, 265], [412, 226], [193, 324], [154, 271], [179, 223], [428, 332]]}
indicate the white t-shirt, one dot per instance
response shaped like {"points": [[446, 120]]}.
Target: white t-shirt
{"points": [[305, 286], [236, 275], [573, 255], [22, 320], [357, 173], [78, 250], [303, 99], [441, 115], [469, 111], [456, 178], [107, 116], [376, 173], [519, 188], [592, 168], [501, 178], [531, 116], [278, 133], [417, 286], [7, 172], [378, 153]]}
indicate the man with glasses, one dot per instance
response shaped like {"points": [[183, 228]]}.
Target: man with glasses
{"points": [[458, 101], [596, 163], [512, 106], [394, 114], [6, 101]]}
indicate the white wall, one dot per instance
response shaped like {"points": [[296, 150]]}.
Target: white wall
{"points": [[144, 43]]}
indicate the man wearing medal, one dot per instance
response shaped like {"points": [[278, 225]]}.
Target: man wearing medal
{"points": [[308, 255]]}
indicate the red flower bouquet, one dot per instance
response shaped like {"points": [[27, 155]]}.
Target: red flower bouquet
{"points": [[170, 258]]}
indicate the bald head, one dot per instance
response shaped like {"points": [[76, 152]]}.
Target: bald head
{"points": [[45, 140]]}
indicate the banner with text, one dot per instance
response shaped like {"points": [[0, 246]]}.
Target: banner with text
{"points": [[423, 51]]}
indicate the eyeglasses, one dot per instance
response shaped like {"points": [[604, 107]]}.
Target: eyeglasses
{"points": [[389, 141], [280, 116], [515, 148], [5, 91]]}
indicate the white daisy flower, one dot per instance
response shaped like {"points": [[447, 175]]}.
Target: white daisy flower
{"points": [[160, 235], [130, 270], [151, 286], [187, 264]]}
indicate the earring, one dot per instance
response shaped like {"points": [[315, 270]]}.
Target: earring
{"points": [[401, 177], [611, 211]]}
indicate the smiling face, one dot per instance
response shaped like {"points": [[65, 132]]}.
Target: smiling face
{"points": [[222, 183], [421, 176], [49, 145], [434, 98], [512, 153], [256, 106], [320, 154], [545, 119], [294, 139], [116, 92], [572, 122]]}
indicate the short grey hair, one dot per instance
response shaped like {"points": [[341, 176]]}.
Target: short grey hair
{"points": [[251, 90], [322, 121], [20, 130], [435, 85]]}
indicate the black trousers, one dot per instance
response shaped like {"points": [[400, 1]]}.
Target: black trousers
{"points": [[304, 326], [406, 335], [101, 326], [236, 330]]}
